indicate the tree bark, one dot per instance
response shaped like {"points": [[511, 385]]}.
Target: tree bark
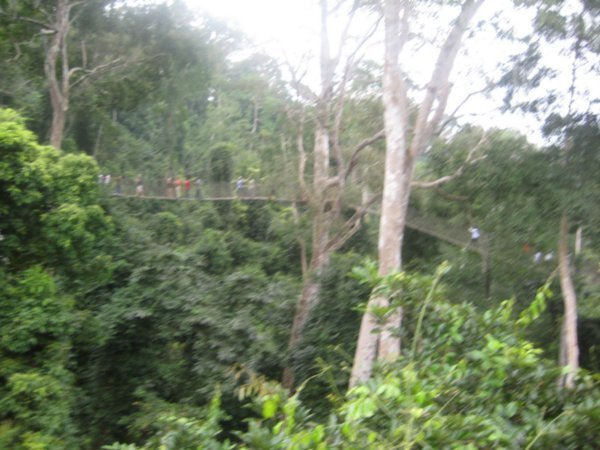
{"points": [[569, 346], [320, 255], [58, 87], [325, 194], [402, 150]]}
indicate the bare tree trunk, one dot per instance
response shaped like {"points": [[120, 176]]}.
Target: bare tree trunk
{"points": [[309, 297], [59, 89], [325, 194], [578, 240], [320, 254], [394, 204], [399, 166], [569, 346]]}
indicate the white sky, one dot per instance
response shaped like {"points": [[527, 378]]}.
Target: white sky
{"points": [[290, 28]]}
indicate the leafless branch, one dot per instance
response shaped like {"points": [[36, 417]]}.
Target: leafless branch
{"points": [[306, 193], [469, 160], [452, 197], [44, 25], [88, 73], [439, 78], [339, 110], [350, 227], [344, 36], [75, 16], [301, 89], [17, 53], [337, 122], [361, 146], [453, 114], [438, 115]]}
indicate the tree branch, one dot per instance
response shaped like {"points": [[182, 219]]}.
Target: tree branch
{"points": [[301, 242], [335, 61], [44, 25], [468, 161], [437, 87], [75, 16], [350, 227], [338, 113], [452, 115], [301, 89], [91, 72], [359, 147]]}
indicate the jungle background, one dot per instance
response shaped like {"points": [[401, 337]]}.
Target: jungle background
{"points": [[156, 321]]}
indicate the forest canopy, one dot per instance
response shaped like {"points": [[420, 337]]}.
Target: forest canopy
{"points": [[202, 249]]}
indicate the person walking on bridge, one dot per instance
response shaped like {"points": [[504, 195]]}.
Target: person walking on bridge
{"points": [[475, 234], [187, 185], [139, 186]]}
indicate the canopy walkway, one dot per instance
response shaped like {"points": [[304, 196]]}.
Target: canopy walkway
{"points": [[157, 189], [160, 189], [285, 193], [445, 231], [208, 199]]}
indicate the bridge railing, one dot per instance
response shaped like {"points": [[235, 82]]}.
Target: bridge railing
{"points": [[159, 188]]}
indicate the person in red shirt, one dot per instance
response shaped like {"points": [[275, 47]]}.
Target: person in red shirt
{"points": [[187, 185]]}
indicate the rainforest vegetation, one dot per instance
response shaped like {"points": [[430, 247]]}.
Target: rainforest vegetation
{"points": [[202, 249]]}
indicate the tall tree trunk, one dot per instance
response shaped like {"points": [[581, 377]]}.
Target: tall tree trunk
{"points": [[309, 297], [58, 84], [569, 347], [394, 205], [399, 166], [320, 254], [578, 240], [326, 192]]}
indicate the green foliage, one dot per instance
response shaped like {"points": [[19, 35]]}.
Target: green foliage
{"points": [[167, 228], [52, 233], [147, 310], [212, 249], [174, 431], [457, 391], [33, 311], [49, 213], [537, 306], [221, 163], [330, 338], [177, 314]]}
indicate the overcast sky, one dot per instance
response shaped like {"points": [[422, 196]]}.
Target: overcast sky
{"points": [[291, 28]]}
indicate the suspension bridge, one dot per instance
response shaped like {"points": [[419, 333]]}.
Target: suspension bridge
{"points": [[279, 193], [286, 193]]}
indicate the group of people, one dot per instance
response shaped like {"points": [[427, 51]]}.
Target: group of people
{"points": [[107, 180], [538, 256], [175, 187], [240, 187], [178, 188]]}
